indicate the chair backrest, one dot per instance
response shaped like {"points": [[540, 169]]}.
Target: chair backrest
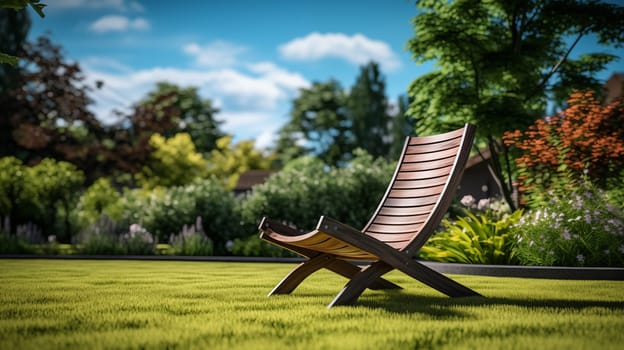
{"points": [[422, 188]]}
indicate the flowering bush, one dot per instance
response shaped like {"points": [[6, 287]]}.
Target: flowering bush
{"points": [[586, 139], [191, 240], [138, 241], [581, 228]]}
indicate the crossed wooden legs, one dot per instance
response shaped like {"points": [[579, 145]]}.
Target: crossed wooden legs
{"points": [[341, 267], [356, 286], [368, 277]]}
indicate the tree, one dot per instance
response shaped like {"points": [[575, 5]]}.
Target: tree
{"points": [[45, 113], [195, 115], [228, 161], [498, 62], [320, 115], [16, 192], [14, 26], [368, 112], [58, 184], [173, 162], [401, 126]]}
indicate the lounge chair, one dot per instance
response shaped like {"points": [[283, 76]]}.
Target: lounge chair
{"points": [[421, 190]]}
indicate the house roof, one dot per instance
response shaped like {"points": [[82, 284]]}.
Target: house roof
{"points": [[251, 178]]}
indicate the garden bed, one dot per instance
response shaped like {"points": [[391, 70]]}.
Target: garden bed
{"points": [[157, 304]]}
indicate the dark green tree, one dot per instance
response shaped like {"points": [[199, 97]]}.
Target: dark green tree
{"points": [[499, 62], [401, 126], [196, 115], [14, 27], [320, 115], [368, 112]]}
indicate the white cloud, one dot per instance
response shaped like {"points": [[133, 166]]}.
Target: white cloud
{"points": [[216, 54], [253, 102], [357, 49], [115, 23], [279, 76], [120, 5]]}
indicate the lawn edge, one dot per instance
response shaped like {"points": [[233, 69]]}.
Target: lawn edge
{"points": [[547, 272]]}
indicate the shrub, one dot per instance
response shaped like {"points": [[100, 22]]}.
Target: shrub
{"points": [[191, 241], [138, 241], [101, 198], [166, 212], [99, 238], [254, 246], [581, 228], [306, 188], [474, 239], [586, 139]]}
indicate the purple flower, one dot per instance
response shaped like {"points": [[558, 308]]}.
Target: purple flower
{"points": [[566, 235], [580, 258]]}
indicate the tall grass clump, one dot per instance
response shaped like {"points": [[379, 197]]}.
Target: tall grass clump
{"points": [[481, 235]]}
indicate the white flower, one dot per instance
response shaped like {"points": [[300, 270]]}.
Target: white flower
{"points": [[483, 204], [467, 201], [580, 258]]}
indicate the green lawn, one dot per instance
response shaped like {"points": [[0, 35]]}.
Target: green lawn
{"points": [[51, 304]]}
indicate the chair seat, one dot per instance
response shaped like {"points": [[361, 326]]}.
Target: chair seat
{"points": [[320, 241]]}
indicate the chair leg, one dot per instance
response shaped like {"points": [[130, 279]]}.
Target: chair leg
{"points": [[354, 288], [349, 270], [435, 280], [300, 273]]}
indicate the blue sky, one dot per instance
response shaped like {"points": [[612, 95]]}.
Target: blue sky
{"points": [[250, 57]]}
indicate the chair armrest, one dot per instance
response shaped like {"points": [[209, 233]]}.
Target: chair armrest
{"points": [[271, 225]]}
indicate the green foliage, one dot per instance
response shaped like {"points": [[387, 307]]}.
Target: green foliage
{"points": [[54, 304], [58, 185], [319, 114], [165, 212], [228, 161], [473, 239], [191, 241], [254, 246], [100, 244], [174, 162], [10, 244], [306, 188], [194, 116], [21, 4], [138, 241], [101, 198], [578, 228], [17, 5], [498, 62], [368, 111], [17, 192]]}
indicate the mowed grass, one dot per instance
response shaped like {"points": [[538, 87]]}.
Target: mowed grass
{"points": [[86, 304]]}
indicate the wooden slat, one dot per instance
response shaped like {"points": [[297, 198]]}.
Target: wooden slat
{"points": [[417, 192], [425, 209], [398, 220], [436, 138], [419, 183], [427, 174], [444, 144], [423, 157], [394, 228], [419, 166], [410, 202]]}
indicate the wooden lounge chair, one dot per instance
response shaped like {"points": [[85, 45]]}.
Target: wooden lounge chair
{"points": [[417, 198]]}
